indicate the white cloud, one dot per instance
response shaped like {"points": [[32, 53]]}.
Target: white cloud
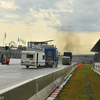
{"points": [[82, 15], [7, 5], [11, 16], [63, 6]]}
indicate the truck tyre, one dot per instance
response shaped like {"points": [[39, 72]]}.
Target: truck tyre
{"points": [[56, 64], [38, 66], [52, 66], [27, 66]]}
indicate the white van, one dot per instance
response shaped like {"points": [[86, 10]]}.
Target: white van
{"points": [[32, 58]]}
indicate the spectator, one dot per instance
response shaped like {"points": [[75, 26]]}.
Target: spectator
{"points": [[8, 60]]}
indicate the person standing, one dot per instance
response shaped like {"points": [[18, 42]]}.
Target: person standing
{"points": [[8, 60], [1, 58]]}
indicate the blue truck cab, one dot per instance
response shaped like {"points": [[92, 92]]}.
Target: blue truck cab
{"points": [[51, 57]]}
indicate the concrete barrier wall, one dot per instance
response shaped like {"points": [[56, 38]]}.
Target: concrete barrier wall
{"points": [[15, 61], [21, 91], [38, 88]]}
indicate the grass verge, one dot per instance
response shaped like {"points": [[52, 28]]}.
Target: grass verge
{"points": [[83, 85]]}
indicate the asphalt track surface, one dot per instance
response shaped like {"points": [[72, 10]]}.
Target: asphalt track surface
{"points": [[13, 74]]}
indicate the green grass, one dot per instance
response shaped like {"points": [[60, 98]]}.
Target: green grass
{"points": [[83, 85]]}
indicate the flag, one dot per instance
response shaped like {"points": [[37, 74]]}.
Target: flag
{"points": [[24, 41], [21, 41], [18, 40], [5, 35]]}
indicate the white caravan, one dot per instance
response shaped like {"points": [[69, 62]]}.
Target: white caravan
{"points": [[32, 58]]}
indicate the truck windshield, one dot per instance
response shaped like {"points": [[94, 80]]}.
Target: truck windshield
{"points": [[29, 56], [65, 58]]}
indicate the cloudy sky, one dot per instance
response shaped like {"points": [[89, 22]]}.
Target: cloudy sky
{"points": [[73, 24]]}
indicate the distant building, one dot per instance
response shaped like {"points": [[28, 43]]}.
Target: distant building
{"points": [[38, 45]]}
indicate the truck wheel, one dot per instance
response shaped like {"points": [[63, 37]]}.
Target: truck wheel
{"points": [[52, 66], [56, 65], [27, 66], [38, 67]]}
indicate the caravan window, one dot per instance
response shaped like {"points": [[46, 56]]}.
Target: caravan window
{"points": [[43, 57], [29, 56]]}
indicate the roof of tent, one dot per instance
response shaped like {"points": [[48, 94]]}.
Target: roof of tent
{"points": [[96, 47]]}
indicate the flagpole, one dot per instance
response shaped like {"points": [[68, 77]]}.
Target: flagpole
{"points": [[4, 38], [17, 42], [3, 41]]}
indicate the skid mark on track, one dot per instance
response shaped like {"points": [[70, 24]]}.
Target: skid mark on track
{"points": [[89, 88]]}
